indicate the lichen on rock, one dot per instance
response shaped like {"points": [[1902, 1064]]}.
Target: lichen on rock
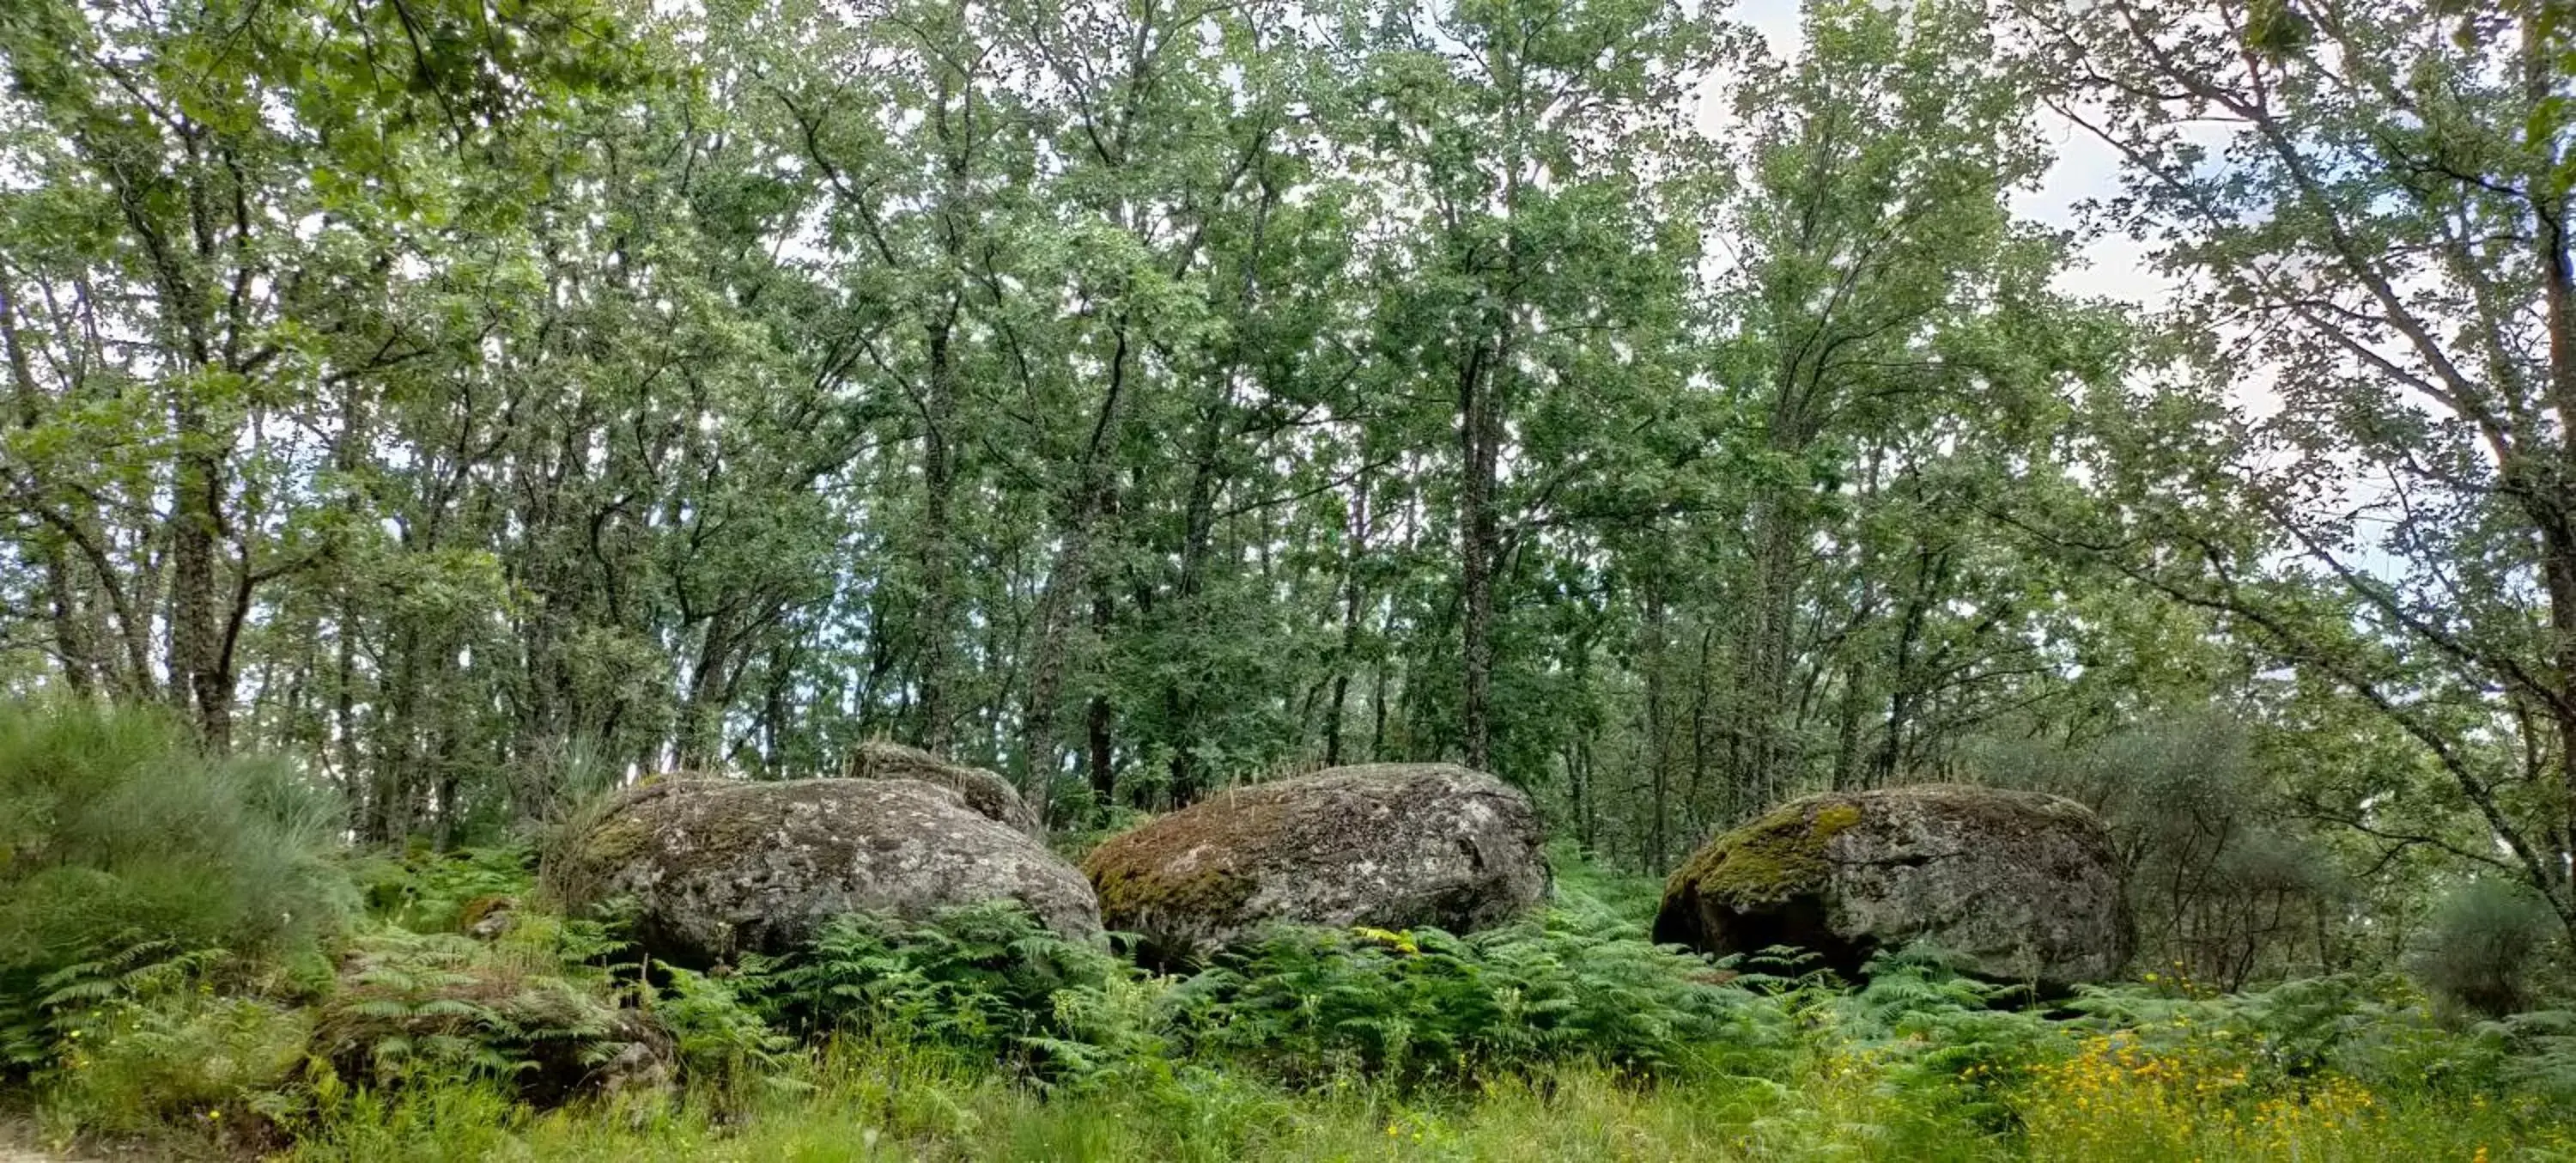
{"points": [[1773, 859], [983, 789], [713, 867]]}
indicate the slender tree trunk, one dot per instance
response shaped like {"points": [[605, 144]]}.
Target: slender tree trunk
{"points": [[1578, 768], [1479, 537], [1851, 707], [1101, 753], [1767, 655], [1695, 807], [2558, 279], [200, 681], [1198, 539], [702, 708], [1355, 549], [935, 719], [1070, 576], [1377, 710], [1658, 760]]}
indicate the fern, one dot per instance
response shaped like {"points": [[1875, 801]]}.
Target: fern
{"points": [[987, 979], [1311, 1005]]}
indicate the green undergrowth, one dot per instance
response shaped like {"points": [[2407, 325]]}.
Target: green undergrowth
{"points": [[1914, 1066], [983, 1037], [429, 1006]]}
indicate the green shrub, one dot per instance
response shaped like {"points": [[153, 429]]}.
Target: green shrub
{"points": [[1311, 1005], [121, 842], [549, 1011], [2529, 1053], [424, 1009], [2481, 946], [2373, 1029], [156, 1044], [987, 979], [720, 1042], [446, 892]]}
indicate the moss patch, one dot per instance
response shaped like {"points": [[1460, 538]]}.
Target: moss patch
{"points": [[1771, 859], [1215, 892], [1138, 871]]}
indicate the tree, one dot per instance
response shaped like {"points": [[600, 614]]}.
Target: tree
{"points": [[1529, 275], [2367, 227], [1893, 361]]}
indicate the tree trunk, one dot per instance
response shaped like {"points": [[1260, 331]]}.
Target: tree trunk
{"points": [[1098, 719], [935, 720], [935, 621], [2558, 537], [200, 681], [1092, 495], [1479, 431], [1355, 549], [1658, 765]]}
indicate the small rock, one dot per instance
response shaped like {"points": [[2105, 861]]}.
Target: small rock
{"points": [[489, 918], [984, 790]]}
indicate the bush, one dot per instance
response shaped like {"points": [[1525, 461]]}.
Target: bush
{"points": [[988, 979], [158, 1045], [446, 892], [1313, 1005], [121, 842], [415, 1009], [2481, 946], [721, 1043]]}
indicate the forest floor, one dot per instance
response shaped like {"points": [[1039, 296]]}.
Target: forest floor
{"points": [[17, 1145]]}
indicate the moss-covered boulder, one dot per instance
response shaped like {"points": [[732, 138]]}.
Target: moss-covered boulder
{"points": [[1390, 846], [984, 790], [2019, 886], [713, 867]]}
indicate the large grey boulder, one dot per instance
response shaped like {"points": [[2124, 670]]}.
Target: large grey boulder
{"points": [[985, 791], [717, 867], [2018, 886], [1389, 846]]}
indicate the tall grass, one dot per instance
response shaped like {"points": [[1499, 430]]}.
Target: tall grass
{"points": [[880, 1100]]}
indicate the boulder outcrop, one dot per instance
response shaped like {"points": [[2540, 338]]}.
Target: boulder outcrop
{"points": [[715, 867], [1386, 845], [2017, 886]]}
